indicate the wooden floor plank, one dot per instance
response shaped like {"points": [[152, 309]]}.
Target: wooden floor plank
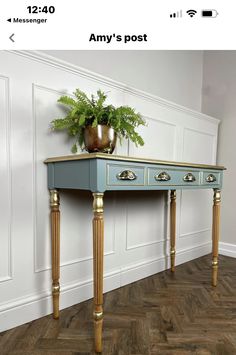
{"points": [[164, 314]]}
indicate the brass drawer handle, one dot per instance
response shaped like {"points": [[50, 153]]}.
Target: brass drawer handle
{"points": [[189, 177], [163, 176], [126, 175], [210, 178]]}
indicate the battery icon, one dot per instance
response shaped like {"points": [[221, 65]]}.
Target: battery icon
{"points": [[209, 13]]}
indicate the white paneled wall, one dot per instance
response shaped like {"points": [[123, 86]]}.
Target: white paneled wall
{"points": [[5, 173], [136, 224]]}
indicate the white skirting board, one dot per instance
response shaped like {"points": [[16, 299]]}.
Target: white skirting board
{"points": [[37, 306], [227, 249]]}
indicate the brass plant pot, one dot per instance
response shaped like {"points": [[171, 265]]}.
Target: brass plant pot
{"points": [[99, 139]]}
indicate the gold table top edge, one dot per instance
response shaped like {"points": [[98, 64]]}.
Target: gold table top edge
{"points": [[131, 159]]}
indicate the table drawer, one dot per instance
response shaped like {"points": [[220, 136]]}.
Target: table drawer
{"points": [[172, 177], [211, 178], [125, 175]]}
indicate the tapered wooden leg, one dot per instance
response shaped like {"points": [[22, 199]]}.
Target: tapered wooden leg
{"points": [[172, 228], [98, 250], [215, 234], [55, 234]]}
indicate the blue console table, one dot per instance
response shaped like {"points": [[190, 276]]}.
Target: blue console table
{"points": [[100, 172]]}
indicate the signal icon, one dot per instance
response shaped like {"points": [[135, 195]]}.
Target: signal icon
{"points": [[191, 13], [176, 14]]}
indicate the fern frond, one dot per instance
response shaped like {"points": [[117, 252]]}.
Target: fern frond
{"points": [[60, 123], [82, 97], [74, 148], [101, 98], [82, 120], [95, 123], [67, 101]]}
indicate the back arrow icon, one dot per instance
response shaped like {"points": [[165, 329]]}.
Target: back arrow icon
{"points": [[13, 34]]}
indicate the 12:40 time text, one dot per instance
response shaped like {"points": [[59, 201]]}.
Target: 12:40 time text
{"points": [[39, 9]]}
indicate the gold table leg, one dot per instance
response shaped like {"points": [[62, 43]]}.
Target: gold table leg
{"points": [[98, 250], [55, 235], [172, 228], [215, 234]]}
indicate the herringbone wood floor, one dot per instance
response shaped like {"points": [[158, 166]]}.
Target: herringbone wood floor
{"points": [[163, 314]]}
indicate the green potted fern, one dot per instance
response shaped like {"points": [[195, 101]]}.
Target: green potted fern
{"points": [[96, 126]]}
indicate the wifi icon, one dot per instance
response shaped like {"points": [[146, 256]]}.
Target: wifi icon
{"points": [[191, 13]]}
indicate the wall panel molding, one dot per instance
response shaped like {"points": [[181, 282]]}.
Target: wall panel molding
{"points": [[6, 183], [141, 245], [204, 133], [160, 138], [197, 232], [158, 237], [68, 67]]}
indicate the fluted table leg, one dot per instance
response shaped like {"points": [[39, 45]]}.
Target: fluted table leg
{"points": [[215, 234], [98, 250], [172, 228], [55, 235]]}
